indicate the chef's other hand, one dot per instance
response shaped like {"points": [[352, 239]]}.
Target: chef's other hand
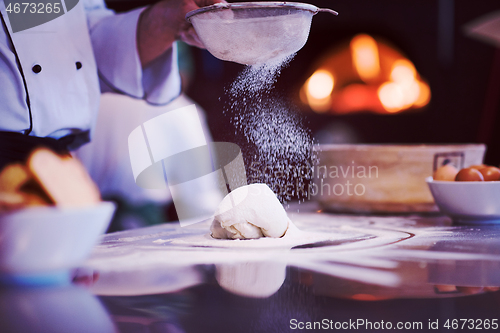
{"points": [[161, 24]]}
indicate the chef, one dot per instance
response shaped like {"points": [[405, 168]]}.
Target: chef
{"points": [[52, 74]]}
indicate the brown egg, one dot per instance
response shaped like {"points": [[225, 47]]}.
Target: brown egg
{"points": [[447, 172], [469, 175], [478, 166], [490, 173]]}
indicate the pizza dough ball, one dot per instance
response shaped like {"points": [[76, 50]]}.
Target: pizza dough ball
{"points": [[248, 212]]}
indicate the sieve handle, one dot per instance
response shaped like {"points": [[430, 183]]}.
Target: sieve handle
{"points": [[327, 10]]}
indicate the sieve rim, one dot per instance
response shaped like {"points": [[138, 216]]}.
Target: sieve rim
{"points": [[248, 5]]}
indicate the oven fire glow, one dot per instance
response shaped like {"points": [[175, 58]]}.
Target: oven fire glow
{"points": [[367, 74]]}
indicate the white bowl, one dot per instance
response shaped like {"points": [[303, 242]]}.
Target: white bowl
{"points": [[467, 202], [43, 240]]}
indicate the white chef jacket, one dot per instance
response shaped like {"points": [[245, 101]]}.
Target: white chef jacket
{"points": [[51, 75]]}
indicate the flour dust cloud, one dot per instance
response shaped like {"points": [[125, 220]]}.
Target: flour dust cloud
{"points": [[277, 147]]}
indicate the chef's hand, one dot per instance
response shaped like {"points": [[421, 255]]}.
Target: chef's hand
{"points": [[161, 24]]}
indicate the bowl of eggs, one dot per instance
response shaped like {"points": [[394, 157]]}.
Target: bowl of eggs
{"points": [[469, 195]]}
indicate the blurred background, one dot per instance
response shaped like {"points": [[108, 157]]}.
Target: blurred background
{"points": [[381, 72]]}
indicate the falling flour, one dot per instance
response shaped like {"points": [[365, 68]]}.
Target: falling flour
{"points": [[277, 147]]}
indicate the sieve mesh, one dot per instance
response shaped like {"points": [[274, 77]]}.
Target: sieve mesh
{"points": [[253, 36]]}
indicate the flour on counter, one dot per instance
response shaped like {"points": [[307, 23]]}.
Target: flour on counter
{"points": [[293, 237]]}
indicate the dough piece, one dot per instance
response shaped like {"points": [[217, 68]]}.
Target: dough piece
{"points": [[34, 194], [10, 201], [250, 211], [64, 179], [13, 177], [18, 189]]}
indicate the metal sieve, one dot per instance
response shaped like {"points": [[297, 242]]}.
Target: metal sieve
{"points": [[252, 33]]}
